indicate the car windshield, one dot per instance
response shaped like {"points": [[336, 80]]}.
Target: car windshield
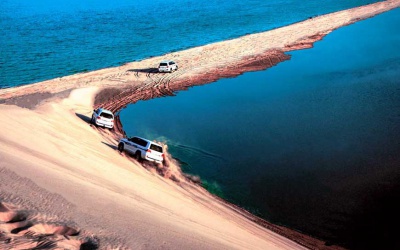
{"points": [[163, 64], [106, 115], [156, 148]]}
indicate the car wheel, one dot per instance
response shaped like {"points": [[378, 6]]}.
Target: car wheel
{"points": [[176, 68], [94, 122], [138, 156], [121, 147]]}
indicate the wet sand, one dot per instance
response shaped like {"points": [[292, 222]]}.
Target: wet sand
{"points": [[68, 174]]}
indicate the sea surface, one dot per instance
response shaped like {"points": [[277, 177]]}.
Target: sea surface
{"points": [[312, 143]]}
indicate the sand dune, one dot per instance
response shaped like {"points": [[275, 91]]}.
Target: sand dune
{"points": [[77, 189], [63, 167]]}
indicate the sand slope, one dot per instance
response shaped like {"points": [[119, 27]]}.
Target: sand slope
{"points": [[108, 194]]}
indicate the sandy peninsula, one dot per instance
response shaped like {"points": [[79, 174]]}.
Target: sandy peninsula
{"points": [[63, 184]]}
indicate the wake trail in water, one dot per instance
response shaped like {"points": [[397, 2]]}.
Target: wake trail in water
{"points": [[199, 151]]}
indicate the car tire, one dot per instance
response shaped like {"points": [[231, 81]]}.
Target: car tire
{"points": [[121, 147], [138, 156], [94, 122]]}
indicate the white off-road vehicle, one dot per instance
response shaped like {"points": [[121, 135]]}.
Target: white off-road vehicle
{"points": [[142, 149], [103, 117], [167, 66]]}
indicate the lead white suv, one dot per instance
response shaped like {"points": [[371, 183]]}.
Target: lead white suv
{"points": [[167, 66], [103, 117], [142, 149]]}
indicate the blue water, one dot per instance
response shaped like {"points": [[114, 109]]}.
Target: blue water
{"points": [[312, 143], [44, 39]]}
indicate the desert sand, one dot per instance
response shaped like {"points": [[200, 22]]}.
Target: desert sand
{"points": [[63, 184]]}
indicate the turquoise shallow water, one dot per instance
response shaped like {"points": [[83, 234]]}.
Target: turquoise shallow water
{"points": [[44, 39], [312, 143]]}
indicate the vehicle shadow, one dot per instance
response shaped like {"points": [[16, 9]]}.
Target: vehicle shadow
{"points": [[110, 145], [83, 117], [148, 70]]}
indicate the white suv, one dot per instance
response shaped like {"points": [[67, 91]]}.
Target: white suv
{"points": [[103, 117], [142, 149], [167, 66]]}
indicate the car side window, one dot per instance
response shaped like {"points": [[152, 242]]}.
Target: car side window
{"points": [[142, 143], [138, 141]]}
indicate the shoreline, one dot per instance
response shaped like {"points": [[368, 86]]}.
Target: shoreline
{"points": [[136, 81], [140, 80]]}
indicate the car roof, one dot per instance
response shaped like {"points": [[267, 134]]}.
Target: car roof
{"points": [[105, 111], [166, 61]]}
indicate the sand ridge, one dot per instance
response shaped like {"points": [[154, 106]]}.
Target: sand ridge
{"points": [[59, 166], [27, 229], [211, 62]]}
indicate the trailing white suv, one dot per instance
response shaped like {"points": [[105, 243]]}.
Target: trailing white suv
{"points": [[167, 66], [142, 149], [103, 117]]}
